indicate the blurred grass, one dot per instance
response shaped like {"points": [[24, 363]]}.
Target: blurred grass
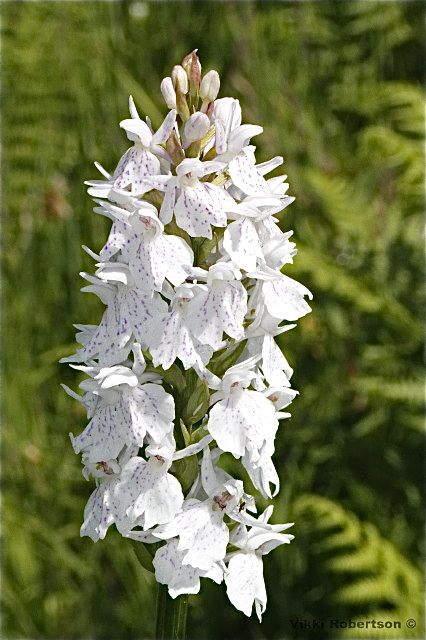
{"points": [[338, 89]]}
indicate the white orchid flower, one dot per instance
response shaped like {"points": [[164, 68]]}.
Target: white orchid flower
{"points": [[196, 205], [244, 581], [220, 306], [102, 508], [147, 494], [170, 336], [244, 239], [181, 578], [261, 336], [130, 407], [141, 160], [283, 297], [153, 255], [200, 526], [129, 312], [242, 421], [262, 473], [202, 533], [231, 137]]}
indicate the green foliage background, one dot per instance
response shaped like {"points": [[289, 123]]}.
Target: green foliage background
{"points": [[338, 88]]}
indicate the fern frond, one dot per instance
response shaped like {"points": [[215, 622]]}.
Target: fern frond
{"points": [[372, 574]]}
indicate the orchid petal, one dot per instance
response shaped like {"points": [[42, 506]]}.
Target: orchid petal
{"points": [[202, 533], [162, 257], [243, 421], [208, 476], [170, 339], [216, 310], [98, 515], [265, 167], [240, 137], [147, 490], [135, 165], [192, 449], [104, 436], [241, 242], [245, 176], [245, 584], [167, 206], [132, 108], [284, 298], [143, 311], [165, 130], [196, 211], [148, 409], [179, 577]]}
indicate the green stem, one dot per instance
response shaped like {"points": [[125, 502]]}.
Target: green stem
{"points": [[171, 615]]}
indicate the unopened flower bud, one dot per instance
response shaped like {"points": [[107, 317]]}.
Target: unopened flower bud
{"points": [[210, 85], [192, 66], [180, 79], [187, 60], [196, 127], [174, 148], [208, 109], [169, 93]]}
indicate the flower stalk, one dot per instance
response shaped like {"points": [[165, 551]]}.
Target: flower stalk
{"points": [[171, 615]]}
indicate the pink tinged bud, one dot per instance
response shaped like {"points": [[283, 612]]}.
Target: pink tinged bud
{"points": [[169, 93], [196, 127], [180, 79], [195, 75], [189, 60], [210, 85], [186, 61], [192, 66], [210, 110], [174, 148]]}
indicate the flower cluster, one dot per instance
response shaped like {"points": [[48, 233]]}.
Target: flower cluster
{"points": [[184, 365]]}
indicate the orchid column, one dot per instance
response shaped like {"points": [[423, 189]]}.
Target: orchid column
{"points": [[184, 365]]}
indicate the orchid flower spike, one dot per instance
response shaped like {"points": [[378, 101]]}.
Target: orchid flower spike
{"points": [[184, 365]]}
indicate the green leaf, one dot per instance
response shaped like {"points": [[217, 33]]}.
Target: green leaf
{"points": [[203, 249], [198, 434], [143, 555], [173, 229], [186, 470], [173, 376], [185, 433], [226, 358], [198, 403]]}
